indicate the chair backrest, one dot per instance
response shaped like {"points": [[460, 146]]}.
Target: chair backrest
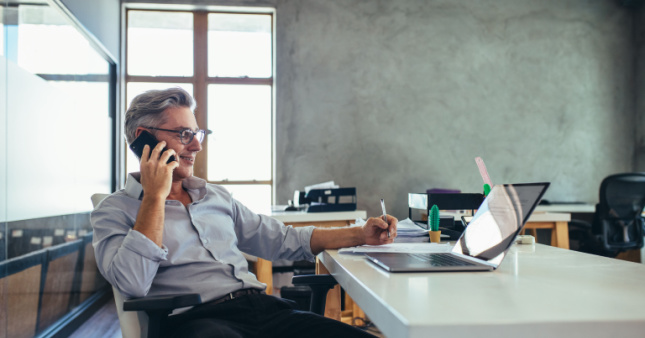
{"points": [[133, 324], [97, 198], [618, 214]]}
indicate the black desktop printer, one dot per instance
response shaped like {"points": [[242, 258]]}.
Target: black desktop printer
{"points": [[326, 200]]}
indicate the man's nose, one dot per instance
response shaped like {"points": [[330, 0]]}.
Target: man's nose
{"points": [[194, 145]]}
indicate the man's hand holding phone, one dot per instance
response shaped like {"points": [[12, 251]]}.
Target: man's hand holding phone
{"points": [[156, 171]]}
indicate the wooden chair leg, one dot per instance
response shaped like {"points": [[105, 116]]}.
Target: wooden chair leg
{"points": [[264, 272]]}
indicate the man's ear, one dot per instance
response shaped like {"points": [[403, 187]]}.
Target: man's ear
{"points": [[138, 131]]}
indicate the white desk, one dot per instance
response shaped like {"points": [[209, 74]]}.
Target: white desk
{"points": [[567, 208], [557, 222], [538, 291]]}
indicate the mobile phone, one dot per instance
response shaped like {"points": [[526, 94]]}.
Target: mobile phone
{"points": [[149, 139]]}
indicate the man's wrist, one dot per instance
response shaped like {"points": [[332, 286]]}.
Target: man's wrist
{"points": [[153, 198], [359, 234]]}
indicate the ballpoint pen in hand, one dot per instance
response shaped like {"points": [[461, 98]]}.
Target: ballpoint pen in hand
{"points": [[385, 216]]}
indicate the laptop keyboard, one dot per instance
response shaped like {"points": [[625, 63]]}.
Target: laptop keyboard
{"points": [[442, 259]]}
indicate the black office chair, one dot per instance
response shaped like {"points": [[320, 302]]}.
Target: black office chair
{"points": [[617, 223], [158, 308]]}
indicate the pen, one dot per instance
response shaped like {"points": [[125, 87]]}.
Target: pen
{"points": [[385, 216]]}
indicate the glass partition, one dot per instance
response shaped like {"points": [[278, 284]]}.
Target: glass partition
{"points": [[56, 90]]}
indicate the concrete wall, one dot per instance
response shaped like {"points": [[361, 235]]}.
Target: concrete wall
{"points": [[400, 96], [101, 19], [639, 38], [394, 97]]}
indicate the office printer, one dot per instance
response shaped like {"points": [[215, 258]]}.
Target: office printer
{"points": [[326, 200], [445, 201]]}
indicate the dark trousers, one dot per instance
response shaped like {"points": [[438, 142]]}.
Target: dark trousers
{"points": [[256, 315]]}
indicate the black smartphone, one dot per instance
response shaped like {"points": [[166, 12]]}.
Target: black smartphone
{"points": [[149, 139]]}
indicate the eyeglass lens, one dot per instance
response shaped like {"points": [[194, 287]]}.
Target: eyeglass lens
{"points": [[187, 136]]}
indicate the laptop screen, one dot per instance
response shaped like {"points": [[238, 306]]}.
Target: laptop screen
{"points": [[499, 220]]}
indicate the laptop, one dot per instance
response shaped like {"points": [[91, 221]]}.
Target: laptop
{"points": [[485, 241]]}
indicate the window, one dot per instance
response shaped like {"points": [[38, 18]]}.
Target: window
{"points": [[57, 114], [226, 61]]}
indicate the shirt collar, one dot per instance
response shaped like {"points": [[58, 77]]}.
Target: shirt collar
{"points": [[134, 189]]}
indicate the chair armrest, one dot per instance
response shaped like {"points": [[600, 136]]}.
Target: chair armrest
{"points": [[162, 303], [319, 285], [314, 280]]}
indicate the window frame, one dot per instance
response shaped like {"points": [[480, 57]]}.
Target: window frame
{"points": [[201, 83]]}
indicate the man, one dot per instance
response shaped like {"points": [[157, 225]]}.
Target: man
{"points": [[169, 232]]}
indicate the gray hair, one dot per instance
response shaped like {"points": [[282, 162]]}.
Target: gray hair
{"points": [[146, 109]]}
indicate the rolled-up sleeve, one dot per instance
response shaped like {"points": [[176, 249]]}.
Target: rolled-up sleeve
{"points": [[126, 258], [268, 238]]}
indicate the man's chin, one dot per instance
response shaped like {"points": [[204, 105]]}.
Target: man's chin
{"points": [[182, 173]]}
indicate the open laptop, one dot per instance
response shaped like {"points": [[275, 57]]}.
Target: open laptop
{"points": [[485, 241]]}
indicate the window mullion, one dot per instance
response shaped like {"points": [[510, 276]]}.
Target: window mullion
{"points": [[199, 77]]}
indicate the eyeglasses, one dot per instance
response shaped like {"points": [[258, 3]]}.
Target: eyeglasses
{"points": [[186, 135]]}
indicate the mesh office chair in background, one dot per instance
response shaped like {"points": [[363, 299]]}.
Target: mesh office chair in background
{"points": [[142, 317], [617, 222]]}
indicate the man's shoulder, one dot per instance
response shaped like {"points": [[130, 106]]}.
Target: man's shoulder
{"points": [[217, 188], [119, 199]]}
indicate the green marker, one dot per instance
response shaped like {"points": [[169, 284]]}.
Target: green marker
{"points": [[486, 189]]}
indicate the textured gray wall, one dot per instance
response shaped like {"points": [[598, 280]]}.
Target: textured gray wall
{"points": [[394, 97], [101, 19], [639, 39]]}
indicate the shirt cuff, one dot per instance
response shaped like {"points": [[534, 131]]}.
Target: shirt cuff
{"points": [[142, 245], [305, 237]]}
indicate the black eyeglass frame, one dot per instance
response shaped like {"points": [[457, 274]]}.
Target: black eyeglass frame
{"points": [[203, 132]]}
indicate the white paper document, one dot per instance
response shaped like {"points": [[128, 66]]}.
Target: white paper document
{"points": [[324, 185], [407, 228], [399, 247]]}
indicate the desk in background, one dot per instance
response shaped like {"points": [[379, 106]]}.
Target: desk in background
{"points": [[585, 212], [538, 291], [574, 208], [558, 223]]}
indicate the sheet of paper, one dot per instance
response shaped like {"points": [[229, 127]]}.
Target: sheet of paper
{"points": [[399, 247], [324, 185], [407, 228]]}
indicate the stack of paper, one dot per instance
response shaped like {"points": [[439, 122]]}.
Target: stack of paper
{"points": [[408, 232], [407, 228], [324, 185]]}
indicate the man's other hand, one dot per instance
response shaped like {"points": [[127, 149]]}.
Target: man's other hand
{"points": [[376, 230]]}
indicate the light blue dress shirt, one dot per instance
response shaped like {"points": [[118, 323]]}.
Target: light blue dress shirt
{"points": [[202, 243]]}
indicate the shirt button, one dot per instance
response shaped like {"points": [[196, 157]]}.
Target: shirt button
{"points": [[205, 240]]}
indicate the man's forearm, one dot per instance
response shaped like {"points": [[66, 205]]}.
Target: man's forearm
{"points": [[322, 239], [150, 219]]}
